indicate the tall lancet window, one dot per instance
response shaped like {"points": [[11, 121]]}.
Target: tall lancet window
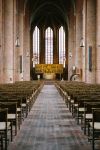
{"points": [[36, 48], [62, 56], [49, 46]]}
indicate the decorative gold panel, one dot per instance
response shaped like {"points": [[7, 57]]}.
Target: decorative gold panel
{"points": [[49, 68]]}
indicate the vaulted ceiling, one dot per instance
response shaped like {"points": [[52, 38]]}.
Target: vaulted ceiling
{"points": [[49, 12]]}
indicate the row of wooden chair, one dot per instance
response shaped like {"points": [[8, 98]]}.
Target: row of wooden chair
{"points": [[5, 126], [83, 101], [16, 101]]}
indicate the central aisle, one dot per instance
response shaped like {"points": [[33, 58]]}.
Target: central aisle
{"points": [[49, 126]]}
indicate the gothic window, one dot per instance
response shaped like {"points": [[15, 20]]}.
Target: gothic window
{"points": [[62, 55], [36, 48], [49, 46]]}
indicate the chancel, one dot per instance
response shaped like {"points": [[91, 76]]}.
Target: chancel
{"points": [[49, 71], [49, 74]]}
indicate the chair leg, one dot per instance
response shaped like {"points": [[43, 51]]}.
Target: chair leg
{"points": [[6, 142], [11, 132], [1, 138], [85, 126], [16, 123], [93, 144]]}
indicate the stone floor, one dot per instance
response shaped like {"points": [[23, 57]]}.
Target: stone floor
{"points": [[49, 126]]}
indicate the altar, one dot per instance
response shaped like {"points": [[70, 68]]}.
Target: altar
{"points": [[49, 76], [49, 71]]}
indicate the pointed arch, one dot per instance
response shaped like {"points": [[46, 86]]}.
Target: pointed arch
{"points": [[62, 46], [49, 46], [36, 46]]}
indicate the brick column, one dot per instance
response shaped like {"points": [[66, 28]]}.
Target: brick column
{"points": [[71, 42], [8, 51], [20, 32], [31, 54], [42, 45], [56, 45], [90, 46], [1, 41], [83, 49], [78, 56], [98, 42], [66, 55], [26, 47]]}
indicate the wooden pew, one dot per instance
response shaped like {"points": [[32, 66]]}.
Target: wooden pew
{"points": [[94, 127], [12, 113], [88, 116], [19, 107], [5, 126]]}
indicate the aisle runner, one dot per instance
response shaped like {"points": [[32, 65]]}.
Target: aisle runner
{"points": [[50, 126]]}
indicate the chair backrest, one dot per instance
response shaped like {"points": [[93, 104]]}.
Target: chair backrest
{"points": [[96, 114], [17, 100], [12, 107], [3, 115], [89, 105]]}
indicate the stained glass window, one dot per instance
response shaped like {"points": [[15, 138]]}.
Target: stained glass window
{"points": [[62, 56], [49, 46], [36, 48]]}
